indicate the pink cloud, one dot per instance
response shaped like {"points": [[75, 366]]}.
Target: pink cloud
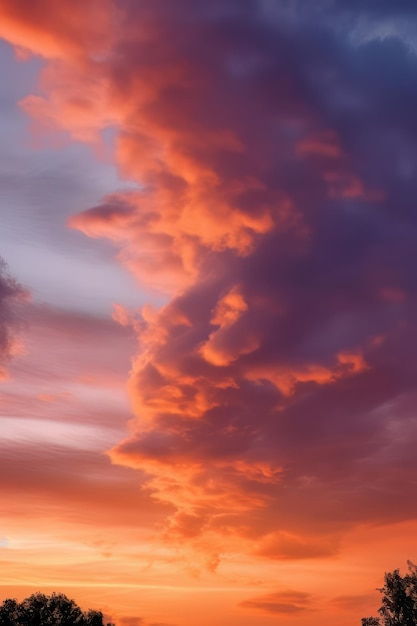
{"points": [[52, 31]]}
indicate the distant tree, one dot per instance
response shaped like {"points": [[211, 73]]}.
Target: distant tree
{"points": [[9, 613], [371, 621], [41, 610], [94, 618], [399, 600]]}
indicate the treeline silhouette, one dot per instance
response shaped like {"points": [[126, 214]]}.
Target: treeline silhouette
{"points": [[41, 610]]}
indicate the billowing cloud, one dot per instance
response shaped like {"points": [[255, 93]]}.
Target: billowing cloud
{"points": [[265, 390], [272, 150]]}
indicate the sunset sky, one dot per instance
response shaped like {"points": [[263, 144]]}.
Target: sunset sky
{"points": [[208, 306]]}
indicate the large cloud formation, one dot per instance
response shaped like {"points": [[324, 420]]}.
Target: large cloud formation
{"points": [[273, 147]]}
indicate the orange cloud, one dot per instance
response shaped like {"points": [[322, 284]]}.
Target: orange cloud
{"points": [[227, 311], [57, 31], [286, 378], [285, 545], [280, 602]]}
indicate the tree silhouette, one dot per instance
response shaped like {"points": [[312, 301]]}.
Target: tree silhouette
{"points": [[9, 613], [41, 610], [399, 600]]}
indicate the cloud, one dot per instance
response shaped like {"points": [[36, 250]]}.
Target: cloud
{"points": [[349, 602], [274, 166], [280, 602], [55, 31], [140, 621], [282, 545], [70, 360], [79, 484]]}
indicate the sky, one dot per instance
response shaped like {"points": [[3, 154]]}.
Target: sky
{"points": [[208, 304]]}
